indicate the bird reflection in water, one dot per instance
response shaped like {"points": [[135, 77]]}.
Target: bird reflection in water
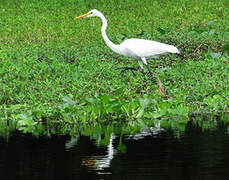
{"points": [[101, 162]]}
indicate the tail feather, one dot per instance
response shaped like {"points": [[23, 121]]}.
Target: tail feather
{"points": [[173, 49], [176, 50]]}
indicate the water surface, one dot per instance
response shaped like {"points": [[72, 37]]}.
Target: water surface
{"points": [[196, 154]]}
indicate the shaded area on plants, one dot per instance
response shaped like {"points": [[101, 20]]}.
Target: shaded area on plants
{"points": [[101, 152], [69, 124]]}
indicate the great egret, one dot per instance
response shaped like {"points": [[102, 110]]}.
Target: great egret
{"points": [[139, 49]]}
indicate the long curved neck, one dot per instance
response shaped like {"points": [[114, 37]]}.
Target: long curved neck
{"points": [[113, 46]]}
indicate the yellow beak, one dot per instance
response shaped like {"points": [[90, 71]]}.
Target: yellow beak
{"points": [[85, 15]]}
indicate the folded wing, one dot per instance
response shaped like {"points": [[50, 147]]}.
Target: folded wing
{"points": [[147, 48]]}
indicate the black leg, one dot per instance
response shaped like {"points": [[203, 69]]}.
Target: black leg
{"points": [[143, 72], [150, 73], [144, 62]]}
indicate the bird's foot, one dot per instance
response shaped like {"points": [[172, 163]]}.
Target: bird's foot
{"points": [[144, 73], [129, 68], [150, 73]]}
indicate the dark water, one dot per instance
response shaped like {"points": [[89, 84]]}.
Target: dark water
{"points": [[195, 155]]}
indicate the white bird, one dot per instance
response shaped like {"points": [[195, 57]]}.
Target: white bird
{"points": [[139, 49]]}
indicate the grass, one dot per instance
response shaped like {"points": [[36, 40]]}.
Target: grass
{"points": [[56, 70]]}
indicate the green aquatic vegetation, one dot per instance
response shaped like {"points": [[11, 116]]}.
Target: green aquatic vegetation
{"points": [[110, 107]]}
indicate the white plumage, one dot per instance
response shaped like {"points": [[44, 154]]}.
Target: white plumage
{"points": [[139, 49], [145, 48]]}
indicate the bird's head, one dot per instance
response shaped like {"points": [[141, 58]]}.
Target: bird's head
{"points": [[91, 13]]}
